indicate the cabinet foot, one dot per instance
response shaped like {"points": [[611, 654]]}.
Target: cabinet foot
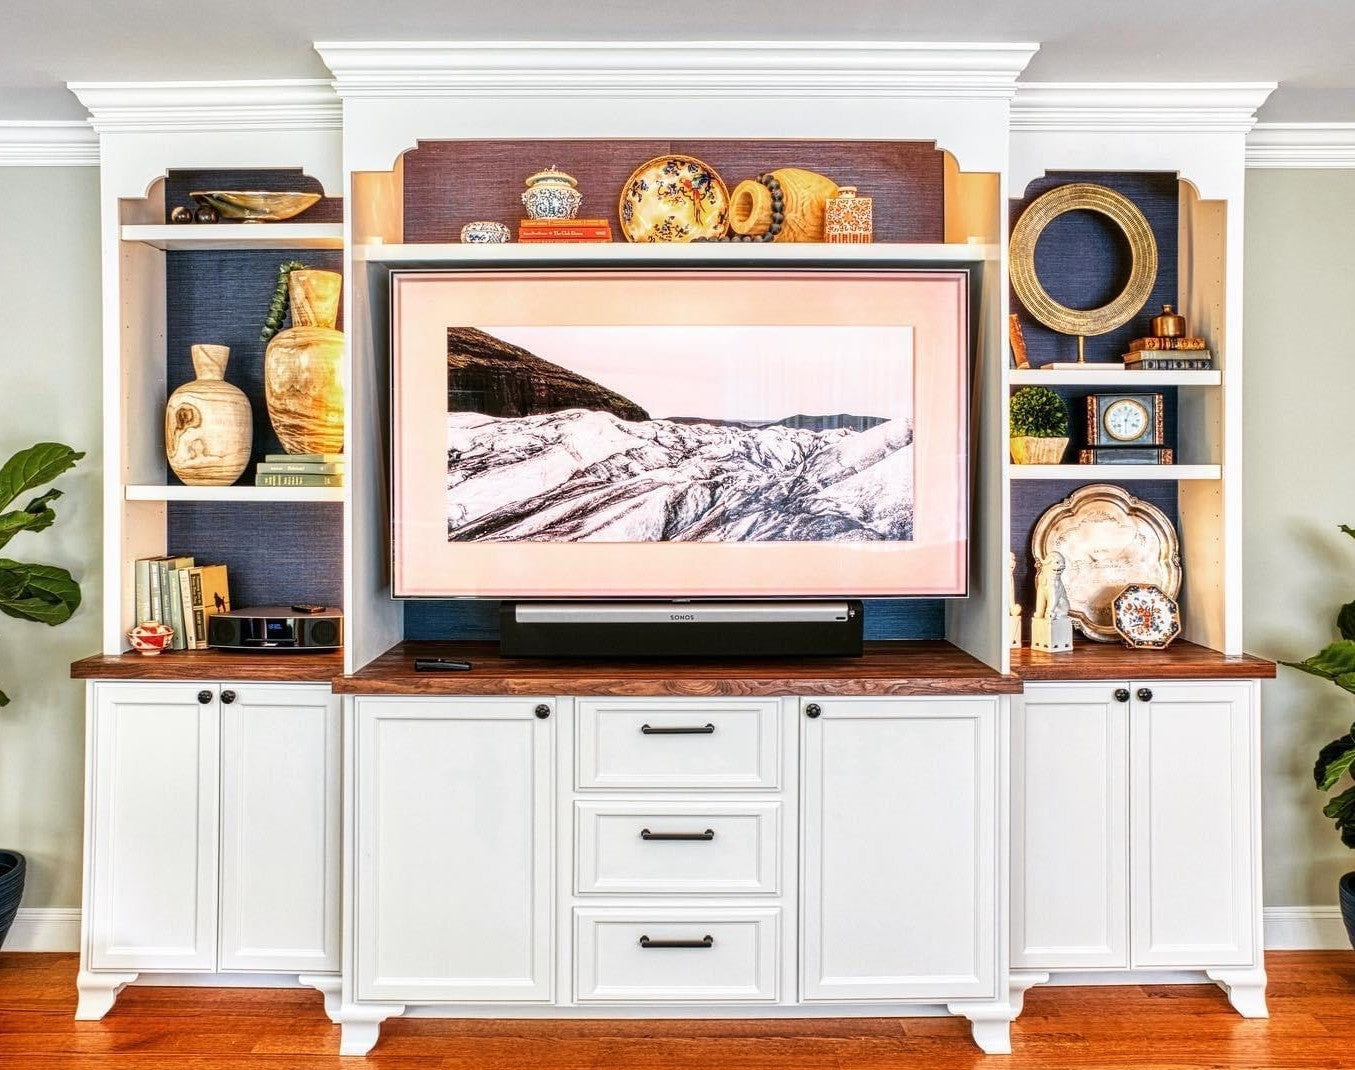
{"points": [[1017, 985], [97, 992], [361, 1025], [1246, 990], [990, 1024], [329, 985]]}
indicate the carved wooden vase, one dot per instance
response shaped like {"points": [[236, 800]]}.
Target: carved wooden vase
{"points": [[209, 427], [302, 371], [805, 195]]}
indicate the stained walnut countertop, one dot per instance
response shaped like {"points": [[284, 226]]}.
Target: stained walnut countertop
{"points": [[209, 665], [1112, 661], [888, 668]]}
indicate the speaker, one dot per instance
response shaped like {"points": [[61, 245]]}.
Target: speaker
{"points": [[275, 628]]}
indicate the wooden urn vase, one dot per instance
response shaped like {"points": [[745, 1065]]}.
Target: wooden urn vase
{"points": [[805, 194], [209, 426], [302, 370]]}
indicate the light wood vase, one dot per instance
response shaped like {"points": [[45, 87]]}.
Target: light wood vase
{"points": [[303, 367], [209, 426], [1027, 450], [804, 193]]}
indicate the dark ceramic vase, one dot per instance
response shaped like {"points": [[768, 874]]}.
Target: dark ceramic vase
{"points": [[12, 868], [1347, 889]]}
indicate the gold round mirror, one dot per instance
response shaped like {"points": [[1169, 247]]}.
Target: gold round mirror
{"points": [[1074, 197]]}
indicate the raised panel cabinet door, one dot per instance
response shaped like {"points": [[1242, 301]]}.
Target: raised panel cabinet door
{"points": [[280, 751], [1070, 826], [455, 802], [153, 827], [899, 849], [1193, 761]]}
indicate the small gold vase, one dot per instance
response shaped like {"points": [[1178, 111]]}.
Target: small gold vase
{"points": [[209, 427], [303, 367]]}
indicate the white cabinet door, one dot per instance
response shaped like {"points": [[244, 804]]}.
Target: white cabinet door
{"points": [[899, 850], [1193, 759], [279, 828], [1070, 826], [454, 851], [153, 827]]}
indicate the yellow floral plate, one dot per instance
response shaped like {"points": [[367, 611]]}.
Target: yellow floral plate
{"points": [[673, 199]]}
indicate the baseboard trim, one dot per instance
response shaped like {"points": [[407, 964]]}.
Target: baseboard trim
{"points": [[1287, 929], [45, 929], [1305, 929]]}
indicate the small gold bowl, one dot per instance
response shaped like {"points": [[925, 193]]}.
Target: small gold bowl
{"points": [[256, 206]]}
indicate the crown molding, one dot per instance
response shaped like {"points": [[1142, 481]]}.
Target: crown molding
{"points": [[652, 69], [278, 104], [1307, 145], [1161, 106], [48, 144]]}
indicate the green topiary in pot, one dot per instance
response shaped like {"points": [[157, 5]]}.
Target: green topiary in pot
{"points": [[1039, 426], [1336, 761]]}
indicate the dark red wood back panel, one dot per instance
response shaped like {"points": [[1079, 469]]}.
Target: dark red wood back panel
{"points": [[451, 183]]}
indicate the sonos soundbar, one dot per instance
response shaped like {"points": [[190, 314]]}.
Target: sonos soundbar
{"points": [[680, 629]]}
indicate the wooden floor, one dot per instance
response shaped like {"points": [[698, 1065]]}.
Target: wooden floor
{"points": [[1312, 1003]]}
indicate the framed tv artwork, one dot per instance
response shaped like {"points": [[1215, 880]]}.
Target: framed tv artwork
{"points": [[680, 433]]}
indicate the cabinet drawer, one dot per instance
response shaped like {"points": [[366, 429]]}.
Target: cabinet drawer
{"points": [[628, 955], [678, 848], [703, 744]]}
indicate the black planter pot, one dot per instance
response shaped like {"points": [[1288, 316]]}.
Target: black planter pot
{"points": [[12, 869], [1347, 889]]}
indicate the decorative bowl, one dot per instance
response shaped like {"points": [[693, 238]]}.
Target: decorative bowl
{"points": [[150, 638], [256, 206], [673, 199], [552, 194], [485, 232]]}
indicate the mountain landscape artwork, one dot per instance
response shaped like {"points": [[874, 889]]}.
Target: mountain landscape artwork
{"points": [[729, 434]]}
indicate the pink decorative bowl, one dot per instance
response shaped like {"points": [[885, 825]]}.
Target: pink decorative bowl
{"points": [[150, 637]]}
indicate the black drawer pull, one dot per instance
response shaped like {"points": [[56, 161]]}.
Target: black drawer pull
{"points": [[204, 696], [645, 834], [678, 730], [228, 697], [1122, 694], [1145, 694], [705, 941]]}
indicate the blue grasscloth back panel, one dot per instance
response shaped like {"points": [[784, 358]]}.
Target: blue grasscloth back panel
{"points": [[278, 553], [1083, 261], [474, 618], [221, 298]]}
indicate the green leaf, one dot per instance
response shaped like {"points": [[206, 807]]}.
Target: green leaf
{"points": [[1348, 530], [1345, 621], [1337, 659], [31, 468], [4, 699], [43, 593], [1341, 809], [1334, 760], [35, 516]]}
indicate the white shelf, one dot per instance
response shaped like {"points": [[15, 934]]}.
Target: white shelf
{"points": [[1113, 377], [1115, 473], [611, 252], [204, 236], [144, 492]]}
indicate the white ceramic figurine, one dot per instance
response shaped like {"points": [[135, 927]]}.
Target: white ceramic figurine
{"points": [[1050, 628]]}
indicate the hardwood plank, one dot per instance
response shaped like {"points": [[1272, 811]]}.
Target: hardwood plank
{"points": [[887, 668], [1112, 661], [1311, 995], [314, 667]]}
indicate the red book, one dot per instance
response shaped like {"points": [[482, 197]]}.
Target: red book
{"points": [[551, 224], [565, 233]]}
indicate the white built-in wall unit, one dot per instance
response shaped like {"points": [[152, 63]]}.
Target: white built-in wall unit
{"points": [[740, 841]]}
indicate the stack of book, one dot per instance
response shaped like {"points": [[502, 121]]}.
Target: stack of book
{"points": [[178, 592], [564, 230], [300, 470], [1168, 355]]}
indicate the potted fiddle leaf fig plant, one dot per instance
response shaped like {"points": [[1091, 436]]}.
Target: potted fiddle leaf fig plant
{"points": [[1039, 426], [46, 594], [1336, 761]]}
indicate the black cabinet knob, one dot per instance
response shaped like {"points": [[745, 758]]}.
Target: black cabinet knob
{"points": [[1122, 694], [204, 696], [542, 710], [1145, 694], [228, 697], [813, 709]]}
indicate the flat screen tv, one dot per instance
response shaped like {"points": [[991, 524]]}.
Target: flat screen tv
{"points": [[680, 433]]}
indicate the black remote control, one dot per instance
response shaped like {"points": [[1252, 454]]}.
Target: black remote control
{"points": [[440, 665]]}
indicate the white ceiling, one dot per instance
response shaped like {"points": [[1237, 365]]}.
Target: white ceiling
{"points": [[1306, 45]]}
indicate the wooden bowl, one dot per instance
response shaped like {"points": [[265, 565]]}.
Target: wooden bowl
{"points": [[256, 206]]}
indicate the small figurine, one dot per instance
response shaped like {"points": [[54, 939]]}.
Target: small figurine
{"points": [[1050, 627], [1013, 606]]}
